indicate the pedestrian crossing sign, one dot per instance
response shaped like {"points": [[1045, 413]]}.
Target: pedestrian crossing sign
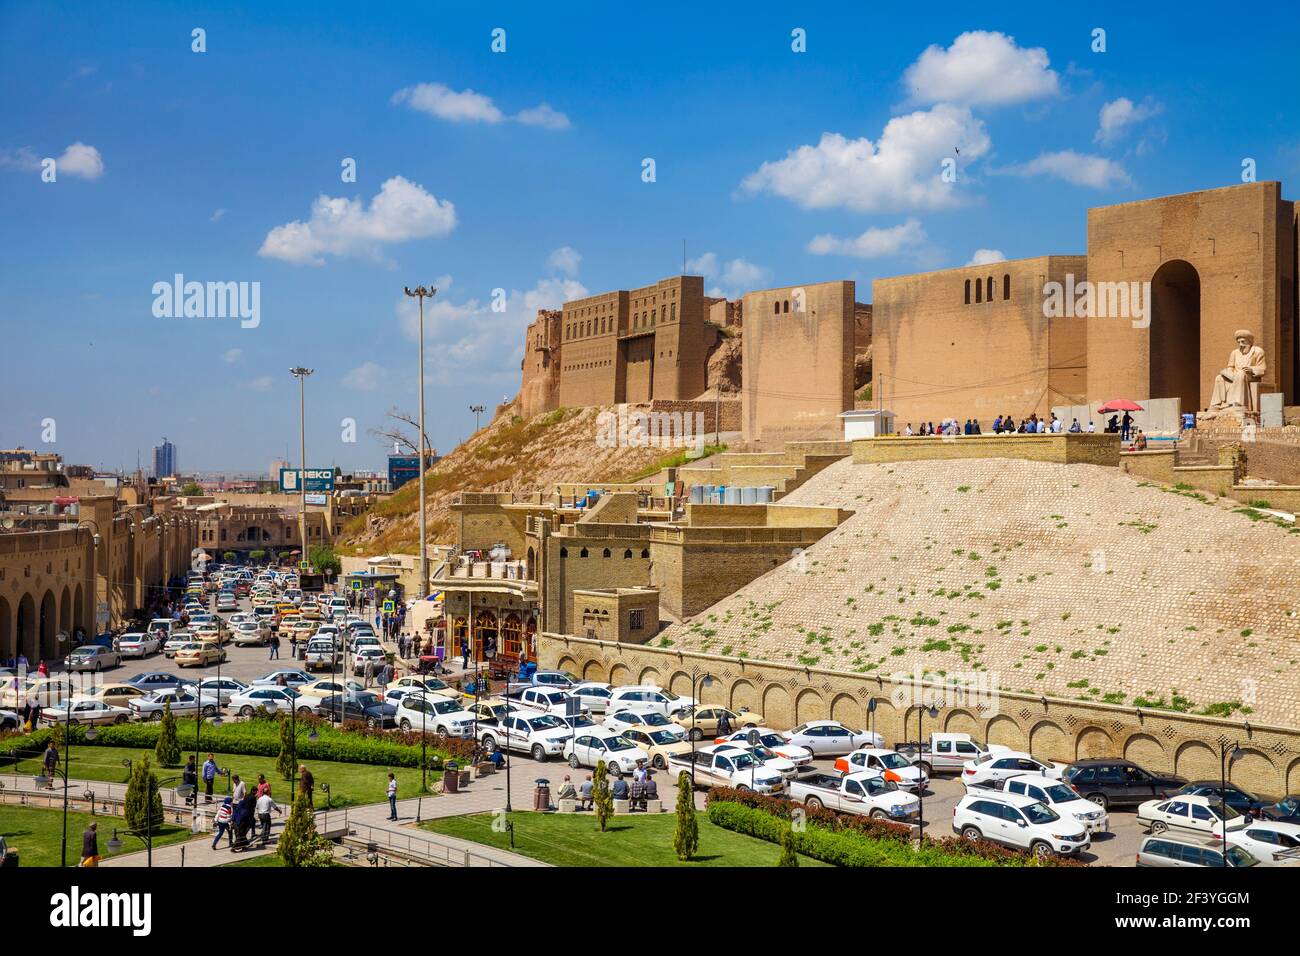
{"points": [[356, 584], [389, 607]]}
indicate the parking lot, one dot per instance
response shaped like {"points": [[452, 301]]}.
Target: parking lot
{"points": [[1116, 848]]}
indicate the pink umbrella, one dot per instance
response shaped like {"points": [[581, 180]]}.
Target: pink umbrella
{"points": [[1120, 405]]}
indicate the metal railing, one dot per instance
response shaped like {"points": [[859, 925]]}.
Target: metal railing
{"points": [[430, 851]]}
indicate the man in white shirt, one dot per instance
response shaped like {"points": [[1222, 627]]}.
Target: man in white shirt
{"points": [[265, 806], [1092, 427]]}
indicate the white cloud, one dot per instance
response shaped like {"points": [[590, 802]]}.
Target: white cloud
{"points": [[1119, 115], [232, 355], [77, 160], [262, 384], [543, 115], [984, 257], [871, 244], [467, 106], [566, 259], [81, 160], [401, 211], [469, 338], [901, 172], [1077, 168], [365, 377], [731, 278], [217, 216], [981, 68], [445, 103]]}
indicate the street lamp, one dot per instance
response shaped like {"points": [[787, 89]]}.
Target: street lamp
{"points": [[115, 844], [705, 681], [420, 293], [301, 373], [933, 711], [1226, 758]]}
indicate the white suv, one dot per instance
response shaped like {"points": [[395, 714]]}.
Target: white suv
{"points": [[1061, 797], [433, 714], [1020, 822], [648, 697]]}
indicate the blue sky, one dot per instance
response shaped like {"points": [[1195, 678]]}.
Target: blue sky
{"points": [[522, 171]]}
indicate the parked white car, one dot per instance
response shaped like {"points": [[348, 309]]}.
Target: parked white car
{"points": [[252, 634], [85, 710], [292, 677], [548, 700], [138, 644], [593, 695], [1189, 814], [1271, 842], [428, 684], [830, 738], [766, 758], [1061, 797], [719, 765], [223, 689], [648, 697], [1019, 822], [774, 741], [184, 703], [636, 717], [588, 748], [258, 696], [893, 765], [431, 713], [987, 769]]}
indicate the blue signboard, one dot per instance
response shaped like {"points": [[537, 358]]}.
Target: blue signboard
{"points": [[401, 469], [318, 479]]}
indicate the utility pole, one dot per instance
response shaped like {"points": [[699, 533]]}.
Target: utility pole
{"points": [[420, 293], [301, 373], [477, 410]]}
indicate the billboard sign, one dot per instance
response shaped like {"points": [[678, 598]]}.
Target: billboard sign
{"points": [[401, 469], [316, 479], [317, 499]]}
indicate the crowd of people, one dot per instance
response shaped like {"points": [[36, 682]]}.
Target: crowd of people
{"points": [[638, 792], [1033, 425]]}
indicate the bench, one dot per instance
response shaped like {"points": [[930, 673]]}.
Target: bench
{"points": [[567, 806], [622, 806]]}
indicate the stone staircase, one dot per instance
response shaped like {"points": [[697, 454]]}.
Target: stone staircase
{"points": [[783, 470]]}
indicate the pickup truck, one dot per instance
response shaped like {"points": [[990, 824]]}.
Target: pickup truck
{"points": [[320, 653], [722, 766], [866, 793], [945, 752], [549, 700], [539, 735]]}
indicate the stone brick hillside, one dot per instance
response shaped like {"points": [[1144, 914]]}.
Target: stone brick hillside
{"points": [[1073, 581]]}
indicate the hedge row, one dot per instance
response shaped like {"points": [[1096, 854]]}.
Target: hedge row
{"points": [[260, 736], [863, 840]]}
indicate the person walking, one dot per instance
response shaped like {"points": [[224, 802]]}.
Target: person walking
{"points": [[221, 823], [392, 797], [464, 656], [275, 648], [265, 806], [51, 763], [190, 779], [263, 787], [368, 671], [307, 783], [210, 771], [90, 846]]}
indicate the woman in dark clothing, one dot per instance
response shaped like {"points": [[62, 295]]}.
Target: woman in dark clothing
{"points": [[245, 814]]}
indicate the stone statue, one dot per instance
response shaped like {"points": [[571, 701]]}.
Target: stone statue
{"points": [[1232, 386]]}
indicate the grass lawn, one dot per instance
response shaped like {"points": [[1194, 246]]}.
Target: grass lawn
{"points": [[574, 839], [350, 783], [269, 859], [36, 834]]}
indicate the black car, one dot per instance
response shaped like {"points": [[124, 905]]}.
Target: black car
{"points": [[1286, 810], [369, 709], [1240, 800], [1118, 783]]}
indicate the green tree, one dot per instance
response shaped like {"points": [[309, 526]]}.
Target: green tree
{"points": [[324, 560], [686, 838], [141, 792], [300, 844], [191, 489], [228, 557], [601, 796], [256, 555], [788, 856], [284, 761], [168, 748]]}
